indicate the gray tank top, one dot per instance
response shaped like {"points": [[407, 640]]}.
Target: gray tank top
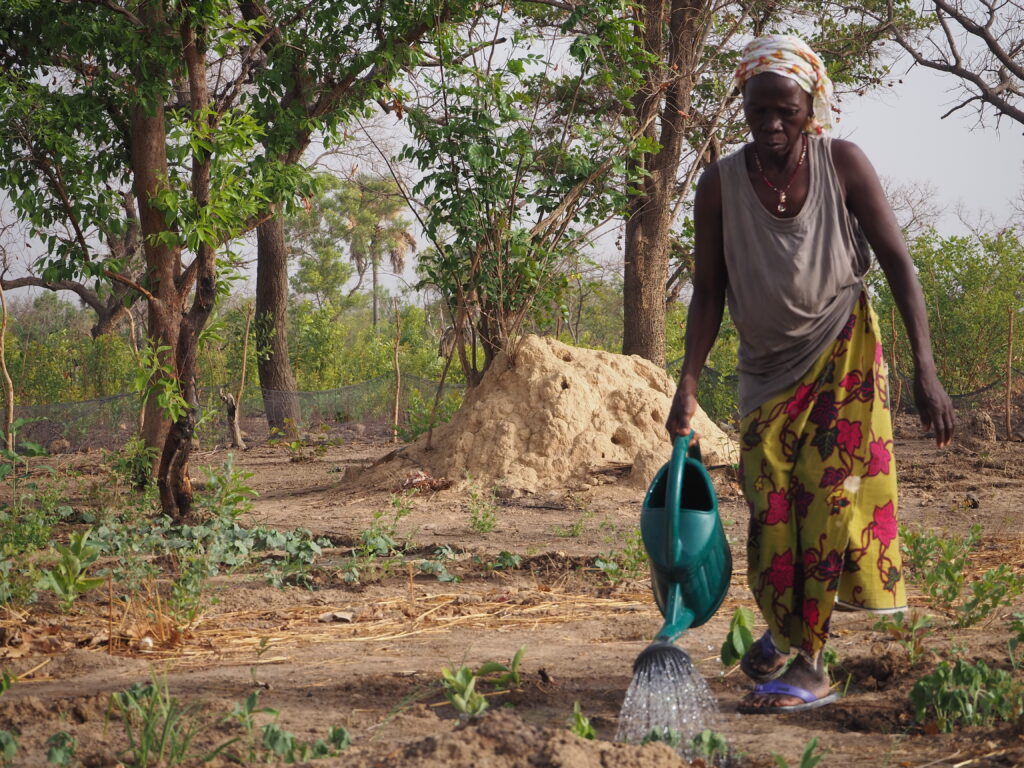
{"points": [[792, 283]]}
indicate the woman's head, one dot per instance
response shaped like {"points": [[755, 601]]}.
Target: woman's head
{"points": [[782, 80]]}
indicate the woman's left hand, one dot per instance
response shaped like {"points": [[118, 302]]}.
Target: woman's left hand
{"points": [[935, 407]]}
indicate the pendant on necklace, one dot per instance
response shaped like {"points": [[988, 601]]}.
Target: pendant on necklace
{"points": [[781, 207]]}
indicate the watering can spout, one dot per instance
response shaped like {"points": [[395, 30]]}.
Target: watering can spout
{"points": [[678, 618], [691, 564]]}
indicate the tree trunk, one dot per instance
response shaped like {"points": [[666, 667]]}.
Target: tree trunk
{"points": [[373, 271], [649, 222], [275, 370]]}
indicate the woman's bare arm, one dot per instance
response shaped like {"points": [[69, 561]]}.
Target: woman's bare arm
{"points": [[866, 200]]}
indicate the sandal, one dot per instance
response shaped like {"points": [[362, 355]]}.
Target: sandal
{"points": [[779, 688], [754, 663]]}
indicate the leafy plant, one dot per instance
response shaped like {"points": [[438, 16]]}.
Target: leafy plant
{"points": [[68, 578], [580, 723], [460, 690], [967, 694], [940, 563], [811, 756], [909, 631], [482, 508], [133, 464], [996, 588], [629, 562], [283, 745], [1015, 642], [159, 729], [709, 744], [436, 567], [664, 734], [60, 748], [503, 676], [505, 561], [740, 638], [417, 413], [8, 746]]}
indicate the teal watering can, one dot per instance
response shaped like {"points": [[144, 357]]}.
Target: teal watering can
{"points": [[691, 564]]}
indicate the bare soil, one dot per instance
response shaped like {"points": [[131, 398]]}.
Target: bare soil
{"points": [[378, 674]]}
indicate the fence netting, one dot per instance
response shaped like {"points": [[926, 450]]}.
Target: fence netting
{"points": [[109, 422]]}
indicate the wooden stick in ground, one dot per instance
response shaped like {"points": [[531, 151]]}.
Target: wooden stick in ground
{"points": [[895, 382], [398, 375], [1009, 375], [234, 404], [8, 384]]}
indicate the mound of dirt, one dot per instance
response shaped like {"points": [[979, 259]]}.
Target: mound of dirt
{"points": [[503, 740], [557, 415]]}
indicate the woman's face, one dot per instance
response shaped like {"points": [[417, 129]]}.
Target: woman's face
{"points": [[776, 110]]}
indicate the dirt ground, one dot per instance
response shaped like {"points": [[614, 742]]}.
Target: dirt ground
{"points": [[378, 674]]}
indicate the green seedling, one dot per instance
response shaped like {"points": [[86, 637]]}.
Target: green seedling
{"points": [[482, 507], [505, 561], [159, 729], [60, 749], [811, 756], [910, 632], [740, 637], [68, 579], [1015, 642], [8, 747], [580, 723], [710, 745], [996, 588], [967, 694], [460, 690], [665, 735], [504, 676], [285, 747]]}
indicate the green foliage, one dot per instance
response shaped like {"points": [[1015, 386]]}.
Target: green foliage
{"points": [[940, 563], [740, 638], [417, 413], [630, 562], [68, 579], [503, 676], [482, 507], [665, 735], [8, 746], [460, 690], [436, 565], [60, 748], [283, 745], [159, 728], [512, 178], [996, 588], [810, 757], [1015, 642], [580, 723], [505, 561], [710, 744], [968, 284], [133, 463], [909, 631], [965, 693]]}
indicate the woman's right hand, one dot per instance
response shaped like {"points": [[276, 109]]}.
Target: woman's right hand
{"points": [[680, 415]]}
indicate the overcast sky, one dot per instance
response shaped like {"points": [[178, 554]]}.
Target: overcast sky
{"points": [[901, 132]]}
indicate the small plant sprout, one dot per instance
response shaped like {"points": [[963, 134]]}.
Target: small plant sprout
{"points": [[504, 676], [709, 744], [482, 507], [963, 693], [68, 579], [811, 756], [909, 631], [61, 748], [580, 725], [460, 690], [740, 637]]}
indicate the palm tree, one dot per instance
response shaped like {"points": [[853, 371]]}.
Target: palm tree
{"points": [[375, 230]]}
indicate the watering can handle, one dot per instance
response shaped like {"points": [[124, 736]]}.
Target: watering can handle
{"points": [[682, 446]]}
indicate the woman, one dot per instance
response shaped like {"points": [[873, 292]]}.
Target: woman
{"points": [[780, 231]]}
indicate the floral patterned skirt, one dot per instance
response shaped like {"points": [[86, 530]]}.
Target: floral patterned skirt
{"points": [[817, 470]]}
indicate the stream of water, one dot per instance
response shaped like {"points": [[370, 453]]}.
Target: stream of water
{"points": [[668, 696]]}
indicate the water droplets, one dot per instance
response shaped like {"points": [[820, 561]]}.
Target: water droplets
{"points": [[667, 695]]}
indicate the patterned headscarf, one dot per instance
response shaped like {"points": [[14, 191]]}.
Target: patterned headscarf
{"points": [[791, 57]]}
